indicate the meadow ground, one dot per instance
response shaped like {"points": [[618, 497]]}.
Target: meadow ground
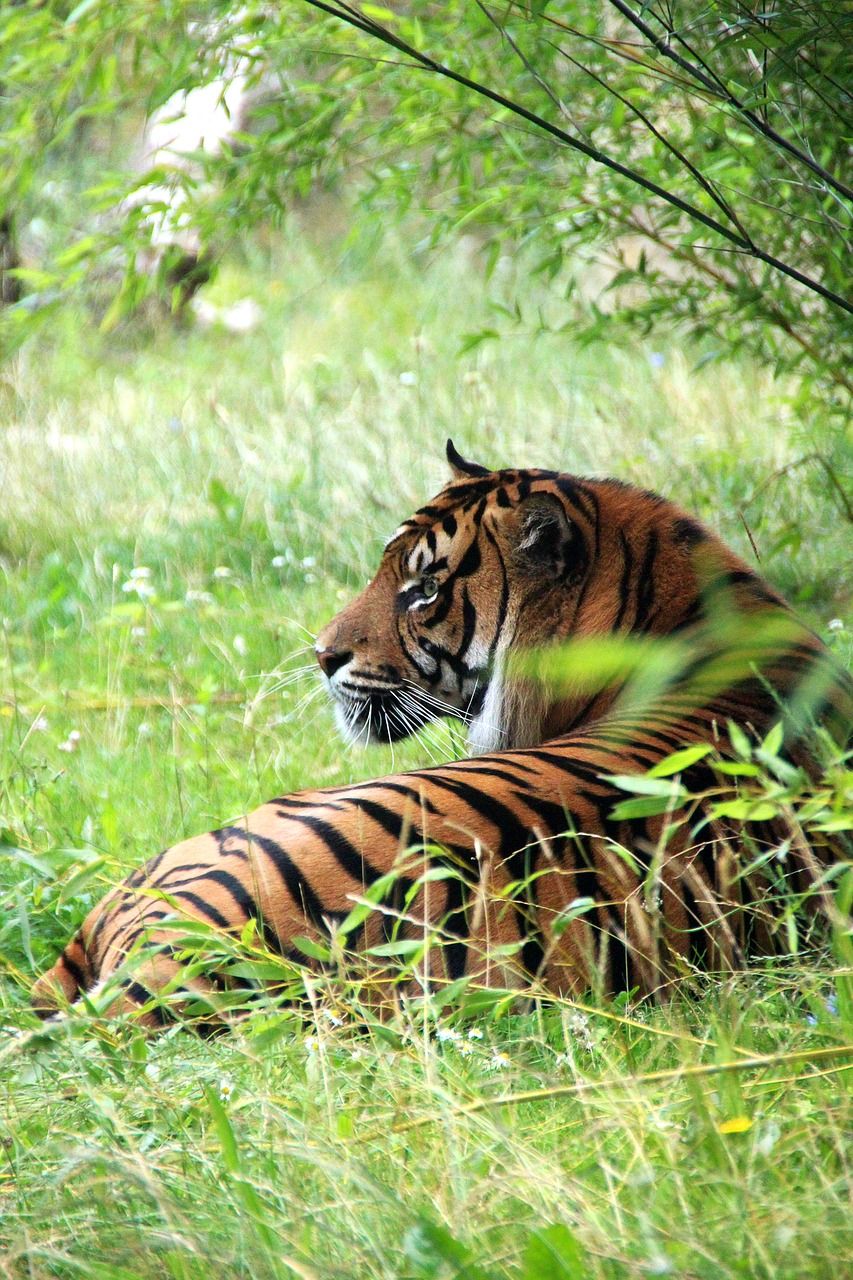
{"points": [[181, 510]]}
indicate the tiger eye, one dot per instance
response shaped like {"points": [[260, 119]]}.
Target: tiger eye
{"points": [[429, 586]]}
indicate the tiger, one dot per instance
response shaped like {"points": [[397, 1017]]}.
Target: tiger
{"points": [[514, 860]]}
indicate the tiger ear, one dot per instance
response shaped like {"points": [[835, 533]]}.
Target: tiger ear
{"points": [[460, 466], [543, 535]]}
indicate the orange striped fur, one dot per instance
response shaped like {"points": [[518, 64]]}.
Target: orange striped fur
{"points": [[498, 564]]}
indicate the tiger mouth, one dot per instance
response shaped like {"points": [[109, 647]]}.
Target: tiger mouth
{"points": [[378, 718], [390, 715]]}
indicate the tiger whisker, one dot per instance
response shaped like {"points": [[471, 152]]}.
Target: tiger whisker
{"points": [[294, 671], [390, 740], [284, 681], [300, 627], [303, 704], [430, 699], [410, 727], [423, 729], [432, 746]]}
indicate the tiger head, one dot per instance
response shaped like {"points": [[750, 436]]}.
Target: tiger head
{"points": [[500, 562]]}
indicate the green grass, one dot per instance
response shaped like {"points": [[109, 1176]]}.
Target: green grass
{"points": [[256, 477]]}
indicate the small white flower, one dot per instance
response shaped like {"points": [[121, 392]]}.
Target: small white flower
{"points": [[312, 1044], [278, 562], [357, 1053], [579, 1026], [141, 571], [475, 1034], [226, 1089], [240, 646], [74, 735], [660, 1120], [242, 316], [140, 586], [499, 1061], [70, 743], [309, 562], [222, 571], [40, 724], [835, 624], [769, 1135], [198, 597], [144, 730], [466, 1051], [332, 1015], [657, 359], [448, 1035], [138, 633], [206, 313], [408, 379]]}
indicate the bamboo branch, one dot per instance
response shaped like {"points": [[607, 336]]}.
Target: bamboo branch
{"points": [[715, 85], [354, 18]]}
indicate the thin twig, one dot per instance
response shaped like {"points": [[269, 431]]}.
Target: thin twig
{"points": [[693, 1072], [793, 466], [708, 187], [720, 89], [354, 18], [703, 182], [755, 550]]}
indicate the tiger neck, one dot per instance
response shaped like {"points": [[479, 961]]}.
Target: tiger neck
{"points": [[744, 659]]}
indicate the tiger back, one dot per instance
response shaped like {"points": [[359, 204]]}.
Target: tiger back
{"points": [[473, 599]]}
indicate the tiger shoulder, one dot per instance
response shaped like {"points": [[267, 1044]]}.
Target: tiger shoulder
{"points": [[489, 605]]}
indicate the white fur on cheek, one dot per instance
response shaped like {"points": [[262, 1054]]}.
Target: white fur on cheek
{"points": [[486, 732]]}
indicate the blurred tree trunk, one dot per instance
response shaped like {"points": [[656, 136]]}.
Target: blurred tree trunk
{"points": [[10, 286]]}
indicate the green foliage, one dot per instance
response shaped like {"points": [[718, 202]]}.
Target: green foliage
{"points": [[733, 119]]}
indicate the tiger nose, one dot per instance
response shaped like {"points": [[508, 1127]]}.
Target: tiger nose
{"points": [[331, 660]]}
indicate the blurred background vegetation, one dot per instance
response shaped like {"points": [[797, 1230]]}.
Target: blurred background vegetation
{"points": [[651, 161]]}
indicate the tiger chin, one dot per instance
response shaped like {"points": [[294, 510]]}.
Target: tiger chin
{"points": [[499, 567]]}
